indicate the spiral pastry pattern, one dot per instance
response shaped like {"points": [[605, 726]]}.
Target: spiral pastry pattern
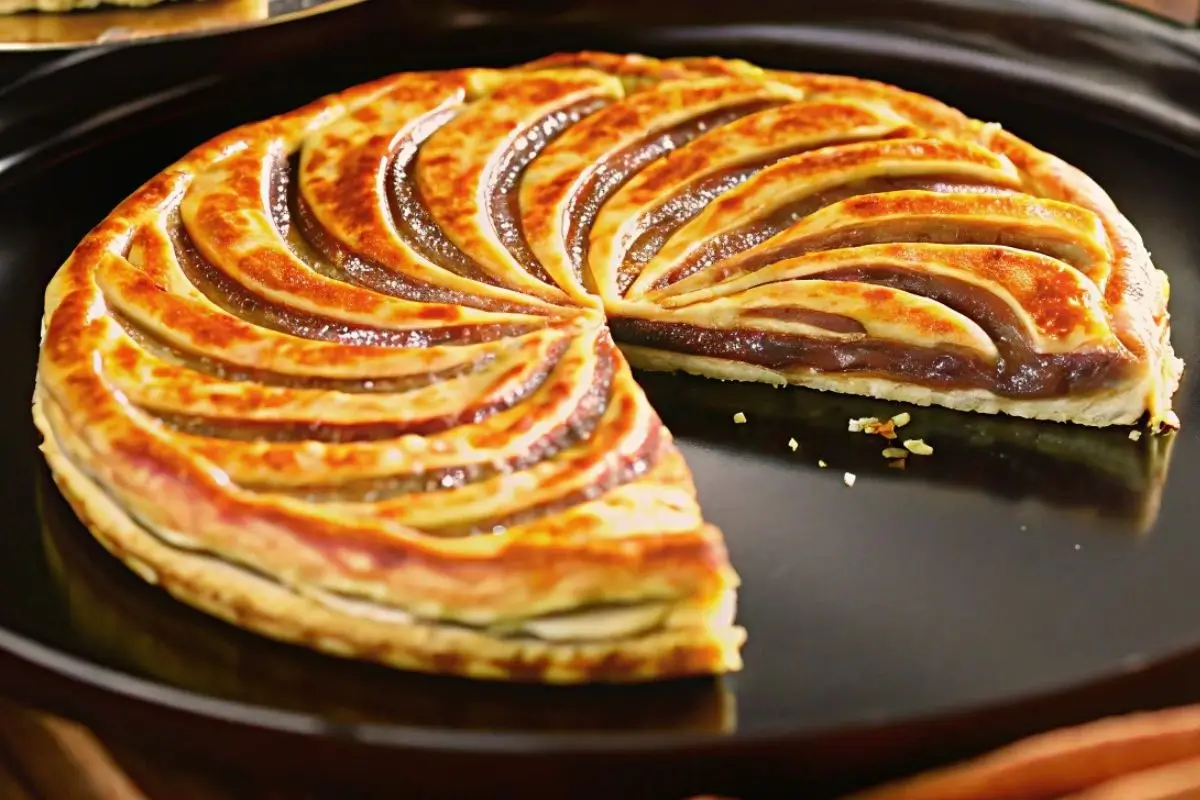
{"points": [[349, 377]]}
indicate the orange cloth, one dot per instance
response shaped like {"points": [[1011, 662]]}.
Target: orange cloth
{"points": [[1146, 756]]}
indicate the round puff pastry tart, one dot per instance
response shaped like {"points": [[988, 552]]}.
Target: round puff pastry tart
{"points": [[350, 378]]}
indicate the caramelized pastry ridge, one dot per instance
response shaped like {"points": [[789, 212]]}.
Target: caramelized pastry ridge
{"points": [[351, 376]]}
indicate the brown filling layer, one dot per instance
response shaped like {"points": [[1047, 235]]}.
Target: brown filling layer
{"points": [[504, 206], [612, 173], [617, 473], [237, 300], [982, 232], [233, 372], [660, 224], [1019, 372], [738, 240], [578, 427], [314, 245], [503, 394], [410, 215]]}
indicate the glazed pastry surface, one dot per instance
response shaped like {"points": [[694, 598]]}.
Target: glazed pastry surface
{"points": [[359, 376]]}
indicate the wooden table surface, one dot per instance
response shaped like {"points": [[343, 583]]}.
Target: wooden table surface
{"points": [[46, 758]]}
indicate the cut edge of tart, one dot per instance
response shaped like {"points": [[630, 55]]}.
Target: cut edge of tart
{"points": [[619, 643], [349, 377]]}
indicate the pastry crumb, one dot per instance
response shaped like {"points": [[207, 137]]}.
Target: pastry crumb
{"points": [[902, 419], [895, 452], [886, 429], [822, 464], [1135, 435], [849, 478], [792, 443], [739, 418], [918, 447], [873, 426]]}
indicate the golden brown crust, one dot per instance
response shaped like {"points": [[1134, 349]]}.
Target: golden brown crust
{"points": [[352, 360]]}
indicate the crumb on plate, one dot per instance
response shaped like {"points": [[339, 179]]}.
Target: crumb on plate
{"points": [[886, 429], [873, 426], [918, 447], [739, 418], [861, 424]]}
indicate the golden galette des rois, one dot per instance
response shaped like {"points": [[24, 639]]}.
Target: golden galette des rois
{"points": [[358, 376]]}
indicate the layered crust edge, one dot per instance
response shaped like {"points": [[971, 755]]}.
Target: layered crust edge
{"points": [[685, 639]]}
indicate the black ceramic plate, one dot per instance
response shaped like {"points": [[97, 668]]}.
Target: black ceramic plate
{"points": [[1025, 575]]}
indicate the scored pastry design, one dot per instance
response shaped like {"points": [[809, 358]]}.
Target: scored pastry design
{"points": [[350, 376]]}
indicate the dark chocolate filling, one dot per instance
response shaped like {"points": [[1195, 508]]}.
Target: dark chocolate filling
{"points": [[741, 239], [612, 173], [225, 371], [289, 431], [614, 475], [662, 222], [504, 206], [313, 245], [1050, 376], [1020, 372], [904, 231], [310, 242], [410, 214], [239, 301], [578, 427]]}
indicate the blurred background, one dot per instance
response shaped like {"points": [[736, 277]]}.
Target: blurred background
{"points": [[58, 24]]}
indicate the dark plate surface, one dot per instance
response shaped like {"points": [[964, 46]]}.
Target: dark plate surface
{"points": [[918, 615]]}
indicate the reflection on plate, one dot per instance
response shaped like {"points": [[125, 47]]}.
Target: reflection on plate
{"points": [[1100, 472], [108, 24], [116, 619]]}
